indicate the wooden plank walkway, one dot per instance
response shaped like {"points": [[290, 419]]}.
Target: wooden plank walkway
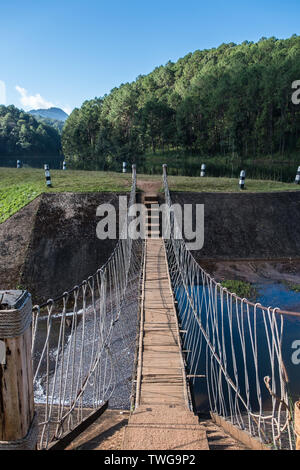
{"points": [[162, 379], [162, 419]]}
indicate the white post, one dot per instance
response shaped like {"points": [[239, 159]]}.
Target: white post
{"points": [[18, 163], [242, 179], [124, 167], [64, 165], [47, 175], [203, 168], [133, 171], [297, 179]]}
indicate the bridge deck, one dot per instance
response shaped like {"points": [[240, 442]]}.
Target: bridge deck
{"points": [[162, 371], [162, 419]]}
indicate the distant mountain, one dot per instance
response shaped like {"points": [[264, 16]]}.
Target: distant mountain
{"points": [[51, 113], [24, 135], [56, 123]]}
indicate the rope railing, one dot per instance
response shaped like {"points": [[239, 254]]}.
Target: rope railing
{"points": [[84, 342], [235, 344]]}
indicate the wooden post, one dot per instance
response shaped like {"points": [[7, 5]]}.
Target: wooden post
{"points": [[297, 424], [133, 171], [17, 418]]}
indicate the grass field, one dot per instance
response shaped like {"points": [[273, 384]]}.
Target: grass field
{"points": [[18, 187], [227, 185]]}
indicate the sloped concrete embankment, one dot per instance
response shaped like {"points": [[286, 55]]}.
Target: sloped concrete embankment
{"points": [[245, 226], [15, 235], [51, 244]]}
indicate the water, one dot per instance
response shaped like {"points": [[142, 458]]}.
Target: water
{"points": [[37, 161], [190, 165], [269, 294], [279, 295]]}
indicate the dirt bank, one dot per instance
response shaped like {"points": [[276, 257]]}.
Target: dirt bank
{"points": [[64, 249], [148, 186], [255, 271], [247, 226], [14, 239], [51, 244]]}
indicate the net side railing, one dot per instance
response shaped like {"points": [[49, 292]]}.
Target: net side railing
{"points": [[84, 342], [233, 344]]}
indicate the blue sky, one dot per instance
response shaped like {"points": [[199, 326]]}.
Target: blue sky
{"points": [[62, 52]]}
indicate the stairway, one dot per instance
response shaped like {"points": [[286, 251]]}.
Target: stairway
{"points": [[152, 226]]}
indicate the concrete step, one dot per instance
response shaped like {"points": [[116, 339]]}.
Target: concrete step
{"points": [[164, 428], [163, 415]]}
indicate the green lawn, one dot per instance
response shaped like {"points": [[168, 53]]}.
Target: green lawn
{"points": [[241, 288], [20, 186], [227, 185]]}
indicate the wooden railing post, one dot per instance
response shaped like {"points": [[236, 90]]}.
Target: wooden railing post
{"points": [[133, 171], [18, 430], [297, 424]]}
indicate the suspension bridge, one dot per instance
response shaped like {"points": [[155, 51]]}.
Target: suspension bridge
{"points": [[142, 333]]}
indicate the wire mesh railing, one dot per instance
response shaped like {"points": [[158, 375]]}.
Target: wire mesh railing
{"points": [[84, 342], [236, 345]]}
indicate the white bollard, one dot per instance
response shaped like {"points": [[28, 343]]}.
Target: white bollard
{"points": [[242, 179], [203, 168], [124, 167], [297, 179], [64, 165], [18, 163], [47, 175]]}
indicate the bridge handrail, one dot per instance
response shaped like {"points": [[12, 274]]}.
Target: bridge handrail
{"points": [[227, 334], [70, 291], [278, 310], [84, 341]]}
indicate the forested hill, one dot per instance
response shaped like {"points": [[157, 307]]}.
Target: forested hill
{"points": [[235, 99], [54, 117], [22, 135], [56, 123], [51, 113]]}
